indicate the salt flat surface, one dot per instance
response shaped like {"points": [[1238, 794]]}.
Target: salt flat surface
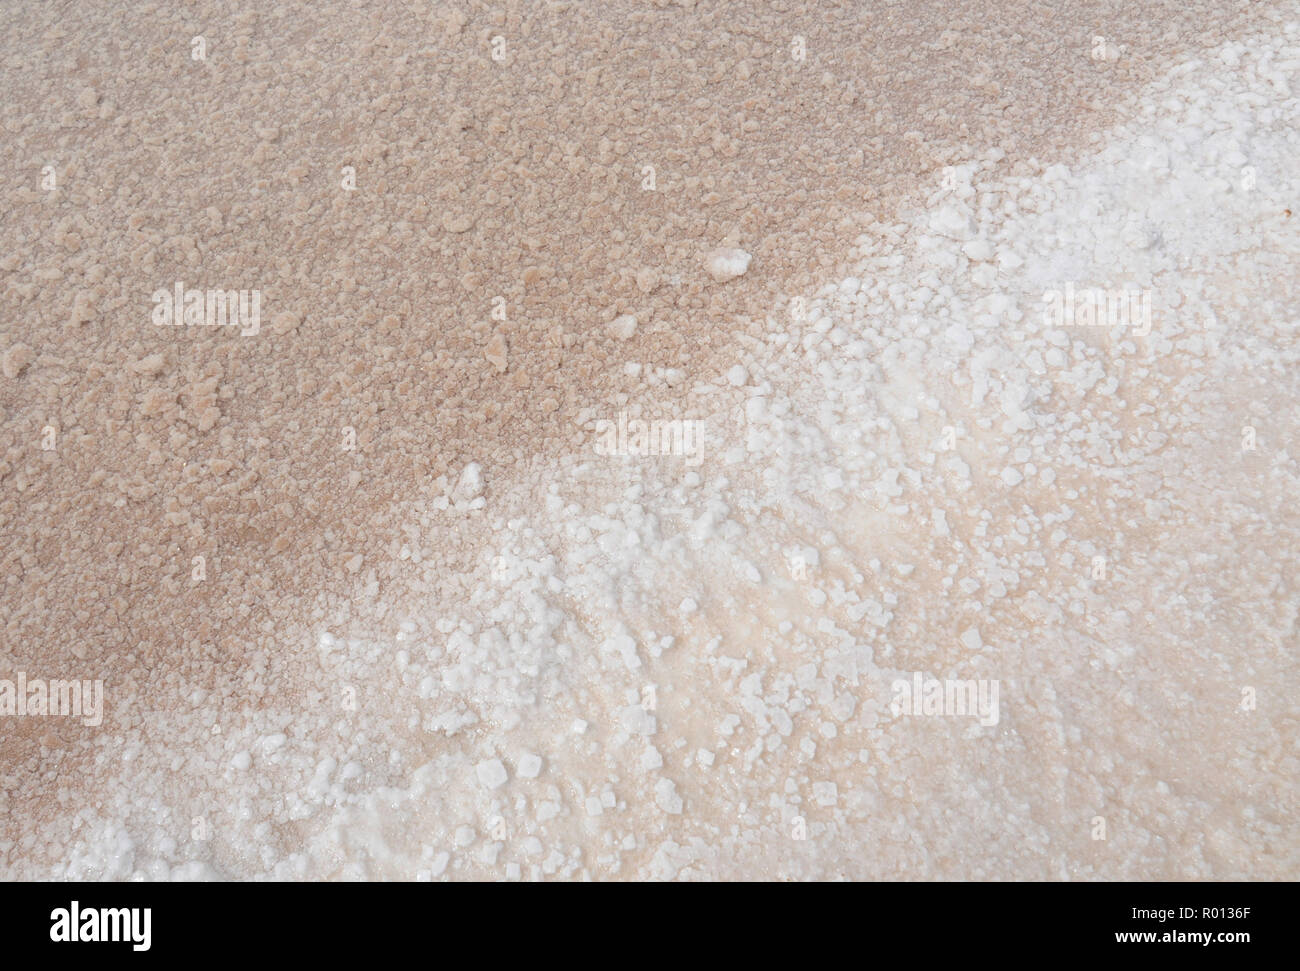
{"points": [[680, 664]]}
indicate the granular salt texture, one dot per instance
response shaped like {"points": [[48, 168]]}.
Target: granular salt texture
{"points": [[471, 631], [382, 240]]}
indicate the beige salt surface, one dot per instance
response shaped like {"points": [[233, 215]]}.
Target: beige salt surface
{"points": [[523, 178]]}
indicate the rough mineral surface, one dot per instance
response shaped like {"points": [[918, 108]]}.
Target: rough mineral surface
{"points": [[395, 538]]}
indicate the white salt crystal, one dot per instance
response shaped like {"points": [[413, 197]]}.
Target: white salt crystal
{"points": [[491, 774]]}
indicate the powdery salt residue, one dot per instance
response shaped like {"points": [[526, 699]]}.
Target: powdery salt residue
{"points": [[655, 669]]}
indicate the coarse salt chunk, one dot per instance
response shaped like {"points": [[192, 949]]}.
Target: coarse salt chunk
{"points": [[16, 359], [825, 793], [951, 222], [497, 353], [530, 766], [727, 263], [491, 774], [285, 322], [470, 484], [666, 797], [622, 327], [148, 365]]}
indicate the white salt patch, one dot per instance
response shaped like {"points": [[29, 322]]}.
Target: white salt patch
{"points": [[726, 263]]}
